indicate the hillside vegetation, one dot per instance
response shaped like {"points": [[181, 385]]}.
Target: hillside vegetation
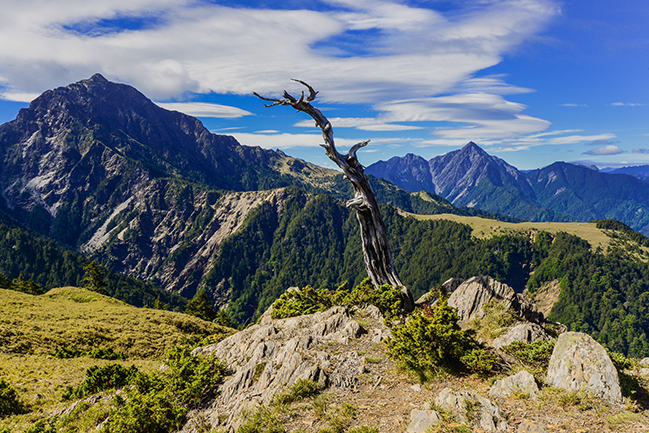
{"points": [[49, 265], [47, 342]]}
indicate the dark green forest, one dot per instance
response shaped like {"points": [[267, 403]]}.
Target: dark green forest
{"points": [[49, 265], [316, 242]]}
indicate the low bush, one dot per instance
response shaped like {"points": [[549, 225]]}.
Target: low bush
{"points": [[111, 376], [10, 403], [302, 388], [431, 341], [535, 353], [308, 300], [159, 402], [479, 360]]}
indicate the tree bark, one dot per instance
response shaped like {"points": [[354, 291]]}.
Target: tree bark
{"points": [[376, 249]]}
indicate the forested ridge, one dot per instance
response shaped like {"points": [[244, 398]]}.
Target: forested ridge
{"points": [[48, 264], [315, 241]]}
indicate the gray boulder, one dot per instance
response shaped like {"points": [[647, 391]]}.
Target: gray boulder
{"points": [[422, 420], [525, 332], [267, 357], [471, 296], [472, 409], [449, 286], [579, 363], [528, 426], [521, 382]]}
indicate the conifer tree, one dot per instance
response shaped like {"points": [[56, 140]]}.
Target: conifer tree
{"points": [[201, 307], [94, 278]]}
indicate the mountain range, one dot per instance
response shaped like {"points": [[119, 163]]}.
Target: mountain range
{"points": [[151, 193], [102, 171], [559, 192]]}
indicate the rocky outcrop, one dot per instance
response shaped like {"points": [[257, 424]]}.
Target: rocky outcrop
{"points": [[472, 409], [471, 296], [449, 287], [579, 363], [520, 383], [422, 420], [267, 357], [524, 332]]}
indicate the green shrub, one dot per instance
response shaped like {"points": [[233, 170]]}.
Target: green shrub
{"points": [[431, 341], [302, 388], [479, 360], [364, 429], [10, 404], [537, 352], [67, 353], [308, 300], [261, 420], [111, 376], [620, 361], [159, 402], [106, 353], [42, 426]]}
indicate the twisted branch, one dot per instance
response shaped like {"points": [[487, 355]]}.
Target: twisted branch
{"points": [[376, 250]]}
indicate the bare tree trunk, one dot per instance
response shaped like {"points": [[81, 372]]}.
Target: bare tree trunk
{"points": [[376, 250]]}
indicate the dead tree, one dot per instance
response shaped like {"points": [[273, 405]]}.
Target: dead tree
{"points": [[376, 250]]}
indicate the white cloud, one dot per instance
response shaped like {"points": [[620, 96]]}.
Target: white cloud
{"points": [[18, 97], [286, 141], [202, 109], [572, 139], [362, 123], [626, 104], [605, 150], [574, 105], [201, 47]]}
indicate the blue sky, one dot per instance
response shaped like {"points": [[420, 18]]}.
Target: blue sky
{"points": [[531, 81]]}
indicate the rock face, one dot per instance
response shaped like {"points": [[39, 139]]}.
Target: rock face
{"points": [[422, 420], [100, 168], [268, 357], [521, 382], [473, 409], [524, 332], [578, 362], [471, 296]]}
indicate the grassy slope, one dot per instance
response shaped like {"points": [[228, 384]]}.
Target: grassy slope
{"points": [[31, 327], [485, 228]]}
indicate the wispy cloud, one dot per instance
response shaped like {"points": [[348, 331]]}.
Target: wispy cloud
{"points": [[196, 46], [18, 97], [202, 109], [639, 150], [574, 105], [626, 104], [605, 150], [601, 142]]}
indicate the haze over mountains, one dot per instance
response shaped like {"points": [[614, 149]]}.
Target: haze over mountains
{"points": [[559, 192]]}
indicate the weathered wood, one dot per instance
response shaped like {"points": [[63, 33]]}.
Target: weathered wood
{"points": [[376, 249]]}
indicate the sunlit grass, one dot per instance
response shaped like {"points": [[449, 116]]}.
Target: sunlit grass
{"points": [[77, 318], [33, 327], [484, 228]]}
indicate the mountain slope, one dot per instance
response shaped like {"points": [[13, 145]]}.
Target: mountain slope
{"points": [[468, 177], [149, 192], [589, 194], [559, 192]]}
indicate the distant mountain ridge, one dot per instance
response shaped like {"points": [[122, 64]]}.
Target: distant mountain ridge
{"points": [[153, 194], [560, 192]]}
